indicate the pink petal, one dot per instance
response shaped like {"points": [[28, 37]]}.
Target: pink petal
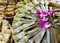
{"points": [[42, 22], [51, 13], [45, 19], [43, 14], [47, 26]]}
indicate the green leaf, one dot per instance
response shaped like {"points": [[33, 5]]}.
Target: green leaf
{"points": [[19, 15], [25, 1]]}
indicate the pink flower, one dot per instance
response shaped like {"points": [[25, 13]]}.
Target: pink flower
{"points": [[43, 21], [41, 15], [45, 24]]}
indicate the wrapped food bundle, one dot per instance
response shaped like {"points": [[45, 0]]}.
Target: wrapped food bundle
{"points": [[23, 29], [2, 9], [1, 18], [11, 2], [57, 14], [11, 6], [1, 13], [3, 2], [9, 9], [57, 18], [26, 27], [9, 13], [2, 42], [2, 6]]}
